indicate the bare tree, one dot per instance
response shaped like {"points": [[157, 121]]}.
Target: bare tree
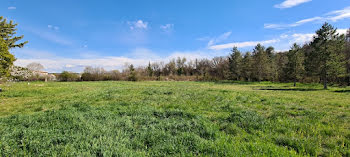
{"points": [[35, 66]]}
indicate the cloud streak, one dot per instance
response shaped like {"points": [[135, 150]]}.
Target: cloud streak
{"points": [[219, 39], [11, 8], [333, 16], [242, 44], [290, 3], [53, 37], [283, 42]]}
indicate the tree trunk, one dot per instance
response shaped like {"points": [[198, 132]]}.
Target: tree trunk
{"points": [[295, 82], [325, 81]]}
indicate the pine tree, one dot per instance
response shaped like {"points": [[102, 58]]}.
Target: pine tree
{"points": [[8, 31], [235, 61], [247, 66], [294, 67], [6, 59], [260, 59], [132, 73], [347, 56], [327, 46]]}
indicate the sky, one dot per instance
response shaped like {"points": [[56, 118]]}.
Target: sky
{"points": [[72, 34]]}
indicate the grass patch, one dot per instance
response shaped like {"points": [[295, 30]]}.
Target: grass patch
{"points": [[173, 119]]}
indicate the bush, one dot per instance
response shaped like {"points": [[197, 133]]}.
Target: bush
{"points": [[66, 76]]}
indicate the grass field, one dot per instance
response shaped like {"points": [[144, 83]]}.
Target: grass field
{"points": [[173, 118]]}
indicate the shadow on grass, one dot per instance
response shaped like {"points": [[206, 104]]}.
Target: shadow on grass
{"points": [[234, 82], [342, 91], [294, 89]]}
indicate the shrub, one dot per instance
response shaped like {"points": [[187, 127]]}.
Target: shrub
{"points": [[68, 76]]}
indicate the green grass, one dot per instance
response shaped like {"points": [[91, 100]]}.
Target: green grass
{"points": [[173, 118]]}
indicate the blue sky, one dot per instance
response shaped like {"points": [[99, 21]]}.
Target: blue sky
{"points": [[69, 35]]}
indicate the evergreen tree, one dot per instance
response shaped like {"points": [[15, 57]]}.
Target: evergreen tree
{"points": [[271, 71], [347, 56], [6, 59], [8, 31], [294, 67], [132, 73], [235, 61], [260, 59], [327, 47], [247, 66]]}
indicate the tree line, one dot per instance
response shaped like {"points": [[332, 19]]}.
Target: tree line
{"points": [[325, 59]]}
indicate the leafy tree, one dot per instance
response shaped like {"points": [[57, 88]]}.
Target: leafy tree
{"points": [[8, 32], [6, 59], [327, 47], [235, 61], [294, 67], [66, 76]]}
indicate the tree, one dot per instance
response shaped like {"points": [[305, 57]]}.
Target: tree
{"points": [[347, 56], [8, 31], [219, 67], [35, 66], [66, 76], [6, 59], [132, 73], [294, 66], [271, 72], [149, 70], [247, 66], [260, 59], [327, 46], [235, 61], [180, 65]]}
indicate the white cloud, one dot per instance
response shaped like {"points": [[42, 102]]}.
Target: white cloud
{"points": [[331, 16], [342, 31], [291, 3], [137, 57], [167, 27], [11, 8], [339, 14], [219, 39], [53, 27], [301, 38], [283, 42], [298, 23], [139, 24], [242, 44]]}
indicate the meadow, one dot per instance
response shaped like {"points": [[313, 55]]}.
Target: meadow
{"points": [[173, 118]]}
